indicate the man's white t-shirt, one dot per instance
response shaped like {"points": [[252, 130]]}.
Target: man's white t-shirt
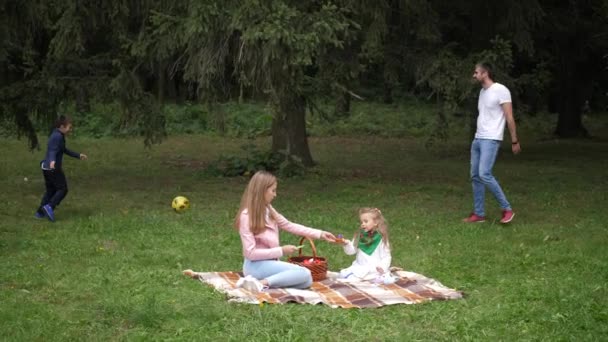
{"points": [[491, 120]]}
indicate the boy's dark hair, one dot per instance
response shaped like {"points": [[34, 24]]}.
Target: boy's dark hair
{"points": [[489, 68], [62, 120]]}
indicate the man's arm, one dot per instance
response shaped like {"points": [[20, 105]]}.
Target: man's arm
{"points": [[507, 108]]}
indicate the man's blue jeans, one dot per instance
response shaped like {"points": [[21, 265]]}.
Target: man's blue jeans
{"points": [[483, 156]]}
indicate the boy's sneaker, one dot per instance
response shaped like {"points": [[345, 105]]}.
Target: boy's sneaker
{"points": [[38, 215], [507, 216], [251, 284], [473, 218], [49, 212]]}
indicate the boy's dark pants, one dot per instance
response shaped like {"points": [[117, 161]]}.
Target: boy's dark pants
{"points": [[56, 188]]}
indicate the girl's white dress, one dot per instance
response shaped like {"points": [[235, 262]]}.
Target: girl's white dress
{"points": [[364, 266]]}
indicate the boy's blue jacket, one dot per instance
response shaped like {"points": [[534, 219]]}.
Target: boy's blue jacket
{"points": [[55, 150]]}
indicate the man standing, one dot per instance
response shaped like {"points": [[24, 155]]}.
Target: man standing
{"points": [[495, 109]]}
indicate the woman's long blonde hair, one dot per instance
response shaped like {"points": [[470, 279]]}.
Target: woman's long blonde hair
{"points": [[379, 219], [254, 201]]}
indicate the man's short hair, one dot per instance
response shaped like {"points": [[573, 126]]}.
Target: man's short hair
{"points": [[488, 67]]}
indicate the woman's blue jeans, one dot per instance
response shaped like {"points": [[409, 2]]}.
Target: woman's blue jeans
{"points": [[278, 273], [483, 156]]}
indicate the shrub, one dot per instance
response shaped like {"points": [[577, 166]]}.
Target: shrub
{"points": [[281, 163]]}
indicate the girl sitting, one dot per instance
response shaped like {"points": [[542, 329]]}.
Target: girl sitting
{"points": [[371, 246], [259, 224]]}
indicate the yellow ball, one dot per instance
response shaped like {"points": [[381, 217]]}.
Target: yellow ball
{"points": [[180, 204]]}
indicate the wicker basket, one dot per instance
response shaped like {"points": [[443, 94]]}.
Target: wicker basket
{"points": [[318, 267]]}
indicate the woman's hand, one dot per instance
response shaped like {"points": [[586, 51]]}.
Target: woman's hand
{"points": [[327, 236], [289, 249]]}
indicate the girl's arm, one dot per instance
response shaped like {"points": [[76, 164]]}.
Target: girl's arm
{"points": [[349, 248], [250, 250], [295, 228]]}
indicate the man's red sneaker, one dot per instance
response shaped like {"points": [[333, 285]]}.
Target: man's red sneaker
{"points": [[507, 216], [473, 218]]}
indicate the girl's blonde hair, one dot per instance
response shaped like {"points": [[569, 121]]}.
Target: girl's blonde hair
{"points": [[253, 200], [379, 219]]}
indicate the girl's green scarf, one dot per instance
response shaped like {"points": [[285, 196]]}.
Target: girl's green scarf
{"points": [[368, 241]]}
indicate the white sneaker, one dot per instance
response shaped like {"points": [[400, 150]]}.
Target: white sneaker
{"points": [[333, 275], [251, 284], [239, 283]]}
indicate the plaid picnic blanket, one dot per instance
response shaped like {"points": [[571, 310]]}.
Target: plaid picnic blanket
{"points": [[410, 288]]}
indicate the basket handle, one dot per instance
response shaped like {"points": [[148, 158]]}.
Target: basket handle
{"points": [[312, 244]]}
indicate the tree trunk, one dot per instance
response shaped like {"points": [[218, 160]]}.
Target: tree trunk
{"points": [[572, 87], [569, 121], [392, 54], [387, 97], [217, 116], [82, 100], [289, 128], [25, 126], [162, 79], [342, 105], [279, 132], [172, 84]]}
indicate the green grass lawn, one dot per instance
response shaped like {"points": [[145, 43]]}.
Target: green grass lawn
{"points": [[110, 267]]}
